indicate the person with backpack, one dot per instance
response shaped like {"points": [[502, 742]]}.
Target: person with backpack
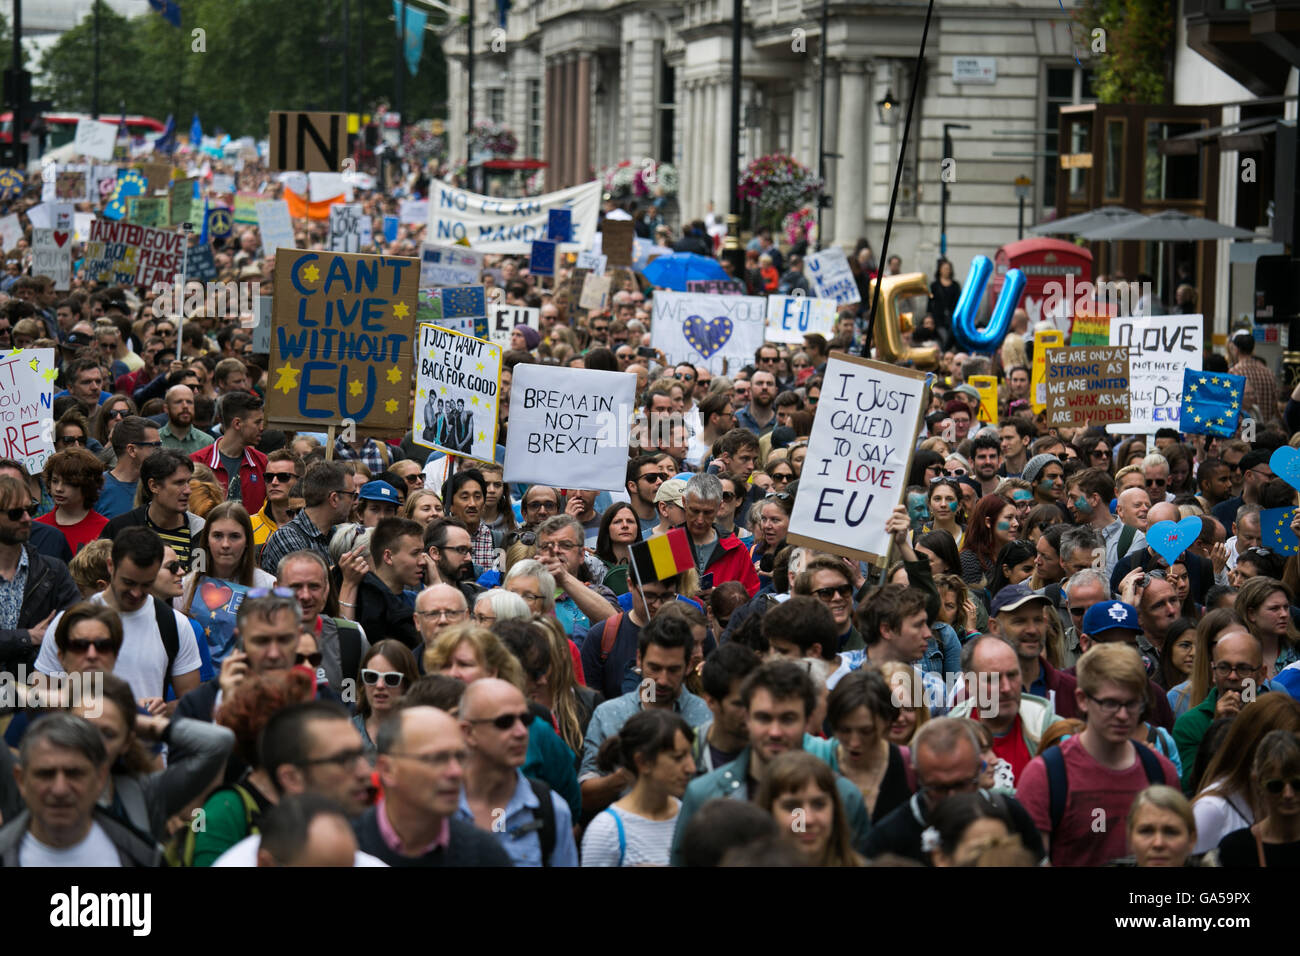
{"points": [[342, 643], [1080, 792], [531, 822], [610, 646]]}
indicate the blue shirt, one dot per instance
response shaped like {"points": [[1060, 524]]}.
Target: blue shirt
{"points": [[610, 717], [11, 593], [520, 836], [117, 498]]}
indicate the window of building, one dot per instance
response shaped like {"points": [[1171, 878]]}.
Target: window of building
{"points": [[533, 127], [664, 148], [1065, 86], [497, 105]]}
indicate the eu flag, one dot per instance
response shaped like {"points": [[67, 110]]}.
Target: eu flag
{"points": [[130, 182], [464, 302], [1275, 530], [11, 183], [1211, 403]]}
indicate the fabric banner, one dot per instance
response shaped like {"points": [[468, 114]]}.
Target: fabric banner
{"points": [[509, 226], [457, 384]]}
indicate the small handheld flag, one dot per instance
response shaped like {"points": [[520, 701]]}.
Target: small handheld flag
{"points": [[663, 556], [1211, 403], [1275, 530]]}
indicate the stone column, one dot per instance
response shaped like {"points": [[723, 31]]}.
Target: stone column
{"points": [[851, 144], [721, 186], [549, 98], [583, 134]]}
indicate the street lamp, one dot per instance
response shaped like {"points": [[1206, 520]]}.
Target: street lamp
{"points": [[943, 185], [732, 250], [887, 109]]}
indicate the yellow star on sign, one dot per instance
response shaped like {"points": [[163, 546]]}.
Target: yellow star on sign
{"points": [[480, 366], [49, 374], [443, 389], [394, 374], [1197, 419], [1203, 379], [1233, 393], [390, 406], [35, 364], [288, 378], [474, 400], [401, 310], [1214, 381], [354, 388], [311, 274], [420, 393]]}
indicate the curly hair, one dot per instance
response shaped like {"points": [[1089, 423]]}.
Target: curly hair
{"points": [[492, 655], [80, 469], [250, 706]]}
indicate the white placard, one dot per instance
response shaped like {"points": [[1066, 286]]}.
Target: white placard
{"points": [[26, 407], [95, 138], [413, 212], [708, 329], [858, 457], [832, 277], [457, 384], [509, 226], [11, 230], [1160, 347], [52, 255], [349, 228], [791, 317], [275, 224], [449, 265], [502, 320], [572, 422], [594, 262], [81, 225]]}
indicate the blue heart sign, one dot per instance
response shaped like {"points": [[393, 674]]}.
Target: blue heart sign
{"points": [[707, 336], [1170, 539], [1286, 465]]}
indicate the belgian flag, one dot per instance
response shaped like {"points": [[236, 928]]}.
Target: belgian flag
{"points": [[663, 556]]}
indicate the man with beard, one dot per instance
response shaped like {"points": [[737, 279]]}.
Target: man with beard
{"points": [[759, 417], [986, 452], [179, 432], [448, 558]]}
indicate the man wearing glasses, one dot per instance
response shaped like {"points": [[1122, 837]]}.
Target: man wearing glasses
{"points": [[437, 607], [328, 497], [1094, 776], [946, 756], [644, 476], [579, 602], [1237, 669], [448, 557], [283, 469], [134, 439], [721, 557], [1155, 472], [531, 822]]}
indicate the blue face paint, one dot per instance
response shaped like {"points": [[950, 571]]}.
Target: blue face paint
{"points": [[1022, 495], [916, 508], [953, 505], [1004, 525], [1049, 483], [1081, 505]]}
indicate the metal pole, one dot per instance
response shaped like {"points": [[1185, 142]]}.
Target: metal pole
{"points": [[469, 79], [19, 98], [94, 95], [347, 53], [943, 192], [401, 88], [733, 168], [821, 127], [1020, 229]]}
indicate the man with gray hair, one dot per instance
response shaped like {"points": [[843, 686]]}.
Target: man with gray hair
{"points": [[718, 558], [946, 755], [62, 769], [1082, 591], [580, 601], [437, 607]]}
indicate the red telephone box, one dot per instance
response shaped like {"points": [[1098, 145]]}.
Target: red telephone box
{"points": [[1050, 266]]}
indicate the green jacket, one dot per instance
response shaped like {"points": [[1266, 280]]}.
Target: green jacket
{"points": [[1189, 731], [730, 781]]}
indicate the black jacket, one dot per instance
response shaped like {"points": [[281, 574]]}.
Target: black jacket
{"points": [[467, 845], [381, 613], [132, 849], [49, 588]]}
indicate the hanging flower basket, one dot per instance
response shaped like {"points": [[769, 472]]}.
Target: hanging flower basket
{"points": [[799, 226], [643, 179], [778, 185], [494, 138]]}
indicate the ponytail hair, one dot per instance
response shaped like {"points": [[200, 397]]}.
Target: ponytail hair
{"points": [[647, 733]]}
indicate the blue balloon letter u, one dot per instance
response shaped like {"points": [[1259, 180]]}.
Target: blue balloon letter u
{"points": [[963, 317]]}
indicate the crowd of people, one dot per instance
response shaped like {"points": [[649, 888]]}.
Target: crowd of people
{"points": [[359, 652]]}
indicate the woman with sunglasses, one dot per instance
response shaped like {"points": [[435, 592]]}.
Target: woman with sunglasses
{"points": [[74, 478], [1274, 839], [102, 422], [733, 496], [943, 500], [71, 431], [773, 522], [782, 473], [993, 525], [1094, 451], [227, 540], [956, 466], [388, 670]]}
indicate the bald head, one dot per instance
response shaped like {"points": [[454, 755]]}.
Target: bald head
{"points": [[488, 696], [1163, 511], [441, 596], [179, 403], [439, 606], [1132, 508]]}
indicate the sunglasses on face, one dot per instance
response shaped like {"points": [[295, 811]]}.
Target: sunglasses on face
{"points": [[16, 514], [174, 567], [80, 645], [655, 477], [843, 590], [728, 496], [779, 495], [313, 659], [1156, 482], [1276, 787], [521, 537], [506, 721], [68, 440], [288, 477], [1100, 453], [389, 678]]}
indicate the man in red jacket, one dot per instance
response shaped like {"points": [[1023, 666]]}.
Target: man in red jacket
{"points": [[723, 557], [240, 468]]}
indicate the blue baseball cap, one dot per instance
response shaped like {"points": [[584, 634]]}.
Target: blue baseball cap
{"points": [[379, 491], [1014, 596], [1109, 615]]}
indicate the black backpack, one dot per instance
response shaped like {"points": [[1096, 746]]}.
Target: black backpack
{"points": [[171, 639], [547, 823], [1058, 786]]}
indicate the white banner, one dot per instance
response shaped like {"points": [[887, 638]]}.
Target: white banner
{"points": [[832, 277], [569, 422], [497, 225], [1160, 347], [275, 225], [449, 265], [457, 384], [791, 317], [708, 329], [858, 457], [26, 406]]}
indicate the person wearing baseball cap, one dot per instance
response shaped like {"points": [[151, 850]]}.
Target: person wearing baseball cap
{"points": [[376, 501], [995, 689], [669, 502], [1112, 622], [1020, 619]]}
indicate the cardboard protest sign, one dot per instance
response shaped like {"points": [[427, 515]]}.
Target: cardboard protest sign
{"points": [[275, 225], [1160, 348], [1089, 329], [261, 329], [592, 261], [791, 317], [246, 207], [413, 212], [157, 176], [616, 244], [458, 379], [95, 138], [858, 457], [181, 194], [568, 421], [831, 276], [307, 142], [502, 320], [11, 230], [200, 264], [595, 292], [26, 407], [52, 256], [342, 340], [149, 211], [349, 228], [507, 226], [449, 265], [715, 286], [1087, 385], [708, 329], [72, 185], [157, 254], [987, 386], [215, 606]]}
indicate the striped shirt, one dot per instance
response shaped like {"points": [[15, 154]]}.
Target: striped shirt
{"points": [[646, 842], [298, 535], [178, 539]]}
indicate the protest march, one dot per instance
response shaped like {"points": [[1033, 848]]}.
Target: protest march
{"points": [[368, 507]]}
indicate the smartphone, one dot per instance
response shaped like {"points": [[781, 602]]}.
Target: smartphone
{"points": [[645, 351], [706, 582]]}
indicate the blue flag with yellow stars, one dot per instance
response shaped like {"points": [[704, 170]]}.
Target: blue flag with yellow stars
{"points": [[11, 183], [464, 302], [130, 182], [1275, 530], [1211, 403]]}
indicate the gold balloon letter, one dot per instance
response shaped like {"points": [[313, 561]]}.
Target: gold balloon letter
{"points": [[890, 324]]}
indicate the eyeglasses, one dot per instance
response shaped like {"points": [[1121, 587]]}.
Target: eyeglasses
{"points": [[462, 549], [344, 759], [389, 678], [1233, 465], [778, 495], [16, 514], [558, 546], [541, 506], [121, 413], [655, 476], [506, 721], [79, 645], [783, 476], [313, 659], [1111, 706], [947, 789], [288, 477], [256, 593], [443, 614], [350, 494], [521, 537], [1275, 787], [1100, 453], [174, 567], [654, 600], [843, 590], [1224, 669], [440, 759], [1156, 482], [1266, 474], [72, 440], [487, 620]]}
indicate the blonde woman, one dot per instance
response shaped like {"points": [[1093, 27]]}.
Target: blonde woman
{"points": [[905, 684], [559, 691]]}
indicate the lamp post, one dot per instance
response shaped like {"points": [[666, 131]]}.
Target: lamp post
{"points": [[943, 185], [732, 250], [824, 199], [469, 80]]}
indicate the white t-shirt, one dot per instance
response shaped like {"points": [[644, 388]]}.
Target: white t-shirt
{"points": [[142, 662], [1217, 816], [244, 853], [648, 842], [95, 850]]}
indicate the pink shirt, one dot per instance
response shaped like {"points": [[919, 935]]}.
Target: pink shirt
{"points": [[395, 842]]}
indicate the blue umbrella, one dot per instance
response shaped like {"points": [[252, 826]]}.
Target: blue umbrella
{"points": [[674, 271]]}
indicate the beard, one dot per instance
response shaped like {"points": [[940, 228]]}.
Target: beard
{"points": [[11, 536], [453, 575]]}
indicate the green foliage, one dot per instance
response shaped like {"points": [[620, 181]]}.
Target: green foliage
{"points": [[257, 55], [1139, 39]]}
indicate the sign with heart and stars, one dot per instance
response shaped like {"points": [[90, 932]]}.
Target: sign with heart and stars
{"points": [[708, 329]]}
